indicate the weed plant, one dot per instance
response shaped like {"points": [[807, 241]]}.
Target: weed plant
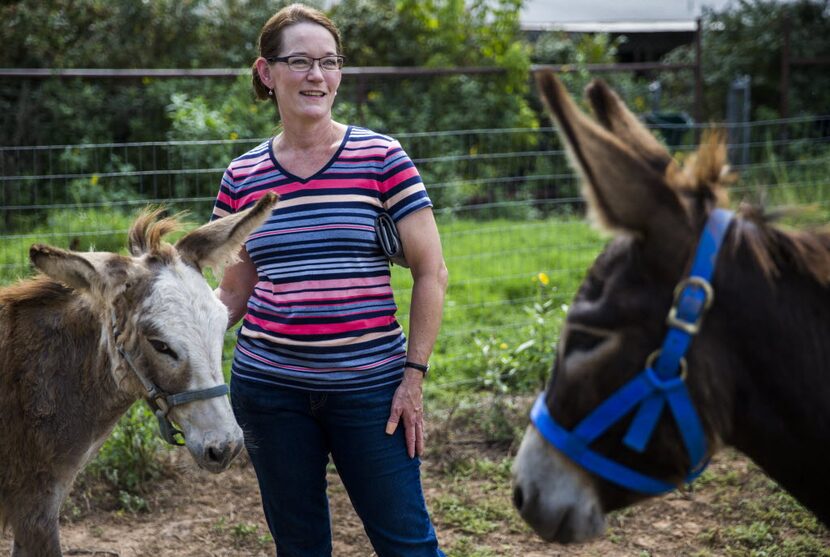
{"points": [[131, 457]]}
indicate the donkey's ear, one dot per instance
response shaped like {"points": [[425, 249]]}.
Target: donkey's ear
{"points": [[68, 267], [216, 244], [623, 191], [615, 117]]}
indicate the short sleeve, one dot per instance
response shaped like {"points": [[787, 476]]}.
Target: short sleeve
{"points": [[226, 201], [402, 190]]}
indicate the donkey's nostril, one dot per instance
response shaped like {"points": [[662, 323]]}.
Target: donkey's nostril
{"points": [[217, 455], [518, 497]]}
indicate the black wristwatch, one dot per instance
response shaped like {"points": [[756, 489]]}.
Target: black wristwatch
{"points": [[423, 368]]}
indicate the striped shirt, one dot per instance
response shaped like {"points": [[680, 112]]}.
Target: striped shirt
{"points": [[322, 314]]}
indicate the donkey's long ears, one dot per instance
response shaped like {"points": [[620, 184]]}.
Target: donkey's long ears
{"points": [[216, 244], [623, 189], [615, 117], [81, 271]]}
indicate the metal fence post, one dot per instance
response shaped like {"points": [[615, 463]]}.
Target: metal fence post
{"points": [[784, 101], [655, 91], [738, 108], [698, 69]]}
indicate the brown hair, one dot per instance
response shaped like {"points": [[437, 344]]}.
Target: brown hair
{"points": [[270, 38]]}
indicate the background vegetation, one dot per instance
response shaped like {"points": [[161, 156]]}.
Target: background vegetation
{"points": [[499, 335], [747, 38]]}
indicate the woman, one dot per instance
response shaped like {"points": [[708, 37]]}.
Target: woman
{"points": [[321, 364]]}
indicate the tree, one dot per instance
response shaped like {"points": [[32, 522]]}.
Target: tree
{"points": [[747, 38]]}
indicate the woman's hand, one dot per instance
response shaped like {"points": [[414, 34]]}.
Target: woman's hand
{"points": [[237, 285], [408, 404]]}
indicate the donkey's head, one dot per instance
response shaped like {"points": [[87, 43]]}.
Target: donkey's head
{"points": [[655, 209], [162, 325]]}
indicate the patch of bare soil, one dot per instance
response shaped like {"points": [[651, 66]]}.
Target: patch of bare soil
{"points": [[734, 510], [201, 514]]}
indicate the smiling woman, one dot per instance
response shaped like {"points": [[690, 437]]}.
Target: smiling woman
{"points": [[322, 366]]}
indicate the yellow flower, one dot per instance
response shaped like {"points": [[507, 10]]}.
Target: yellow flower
{"points": [[544, 279], [503, 346], [234, 136], [94, 180]]}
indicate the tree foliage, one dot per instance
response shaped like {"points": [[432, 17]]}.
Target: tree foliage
{"points": [[208, 34], [439, 34], [115, 34], [747, 38]]}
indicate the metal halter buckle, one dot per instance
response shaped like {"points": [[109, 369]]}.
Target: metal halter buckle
{"points": [[691, 327]]}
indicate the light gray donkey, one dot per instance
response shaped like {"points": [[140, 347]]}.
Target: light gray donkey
{"points": [[96, 331]]}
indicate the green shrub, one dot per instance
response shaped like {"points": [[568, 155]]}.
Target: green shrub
{"points": [[131, 457]]}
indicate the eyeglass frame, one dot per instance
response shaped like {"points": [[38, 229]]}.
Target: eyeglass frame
{"points": [[285, 59]]}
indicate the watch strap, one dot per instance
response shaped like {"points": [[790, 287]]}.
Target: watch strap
{"points": [[424, 368]]}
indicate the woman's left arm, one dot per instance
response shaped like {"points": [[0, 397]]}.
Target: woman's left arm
{"points": [[422, 248]]}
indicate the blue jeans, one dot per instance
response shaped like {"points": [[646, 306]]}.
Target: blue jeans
{"points": [[289, 435]]}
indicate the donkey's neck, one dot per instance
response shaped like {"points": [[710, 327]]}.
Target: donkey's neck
{"points": [[775, 336], [82, 336]]}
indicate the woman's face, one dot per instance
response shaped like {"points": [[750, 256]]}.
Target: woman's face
{"points": [[306, 95]]}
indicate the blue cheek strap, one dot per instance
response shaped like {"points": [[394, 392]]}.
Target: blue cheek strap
{"points": [[660, 384]]}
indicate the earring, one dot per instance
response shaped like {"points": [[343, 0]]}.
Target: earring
{"points": [[270, 92]]}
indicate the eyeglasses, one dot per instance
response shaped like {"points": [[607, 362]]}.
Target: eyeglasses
{"points": [[304, 63]]}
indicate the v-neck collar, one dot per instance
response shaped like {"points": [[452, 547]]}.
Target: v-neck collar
{"points": [[325, 167]]}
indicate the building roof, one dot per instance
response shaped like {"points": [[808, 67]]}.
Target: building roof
{"points": [[614, 16]]}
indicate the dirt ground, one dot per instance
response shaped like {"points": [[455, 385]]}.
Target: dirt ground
{"points": [[733, 510]]}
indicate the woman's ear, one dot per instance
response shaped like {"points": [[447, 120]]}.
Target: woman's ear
{"points": [[264, 71]]}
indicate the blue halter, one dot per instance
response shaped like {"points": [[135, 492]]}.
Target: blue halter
{"points": [[662, 382]]}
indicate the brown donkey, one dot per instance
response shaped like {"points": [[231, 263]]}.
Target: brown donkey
{"points": [[617, 423], [93, 334]]}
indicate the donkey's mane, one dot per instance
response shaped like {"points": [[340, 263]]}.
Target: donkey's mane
{"points": [[705, 175], [149, 229], [772, 246], [41, 290]]}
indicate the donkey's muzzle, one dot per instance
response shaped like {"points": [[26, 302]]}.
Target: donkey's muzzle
{"points": [[215, 455]]}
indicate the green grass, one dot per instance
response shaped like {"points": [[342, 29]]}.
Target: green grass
{"points": [[758, 518], [103, 230], [498, 270]]}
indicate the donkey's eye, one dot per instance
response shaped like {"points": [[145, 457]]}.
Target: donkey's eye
{"points": [[581, 341], [163, 348]]}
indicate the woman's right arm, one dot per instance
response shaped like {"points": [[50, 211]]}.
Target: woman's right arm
{"points": [[236, 287]]}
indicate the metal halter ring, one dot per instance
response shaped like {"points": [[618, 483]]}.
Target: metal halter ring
{"points": [[684, 367]]}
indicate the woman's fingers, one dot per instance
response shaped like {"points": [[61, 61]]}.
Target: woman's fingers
{"points": [[394, 416], [408, 407]]}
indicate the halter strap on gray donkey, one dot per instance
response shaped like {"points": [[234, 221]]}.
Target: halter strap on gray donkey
{"points": [[661, 383], [161, 402]]}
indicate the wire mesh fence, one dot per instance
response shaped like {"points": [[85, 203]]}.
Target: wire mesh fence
{"points": [[507, 203]]}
